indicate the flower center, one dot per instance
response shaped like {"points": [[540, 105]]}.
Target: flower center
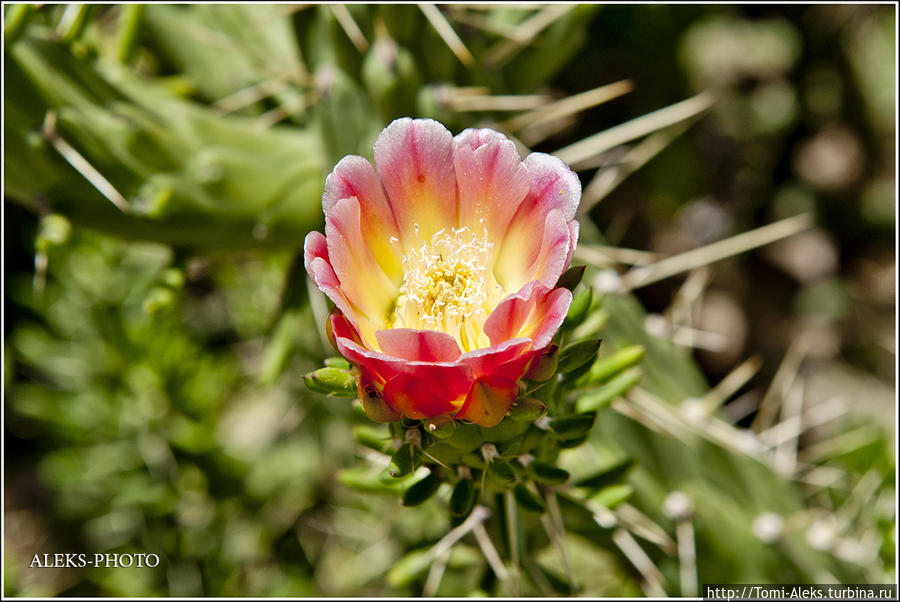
{"points": [[448, 286]]}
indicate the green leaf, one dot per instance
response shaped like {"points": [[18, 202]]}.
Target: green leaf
{"points": [[421, 490], [571, 277], [527, 499], [361, 479], [579, 309], [372, 438], [130, 17], [15, 21], [402, 461], [610, 476], [440, 431], [501, 472], [609, 392], [546, 473], [572, 427], [578, 354], [466, 438], [527, 410], [613, 495], [462, 500], [606, 367]]}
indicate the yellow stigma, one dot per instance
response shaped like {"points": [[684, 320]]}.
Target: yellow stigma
{"points": [[448, 285]]}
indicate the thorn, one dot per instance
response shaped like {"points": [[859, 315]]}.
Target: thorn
{"points": [[539, 124], [717, 251], [526, 32], [345, 19], [80, 164], [728, 386], [580, 152], [784, 376], [653, 578], [489, 551], [445, 30]]}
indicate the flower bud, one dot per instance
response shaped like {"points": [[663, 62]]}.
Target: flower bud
{"points": [[337, 362], [332, 381]]}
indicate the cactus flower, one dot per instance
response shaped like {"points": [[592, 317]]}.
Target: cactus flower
{"points": [[442, 262]]}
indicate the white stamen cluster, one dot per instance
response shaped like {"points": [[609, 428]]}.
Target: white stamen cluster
{"points": [[448, 286]]}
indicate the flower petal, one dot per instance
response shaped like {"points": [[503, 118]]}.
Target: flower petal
{"points": [[418, 345], [553, 185], [354, 176], [535, 312], [318, 266], [373, 403], [528, 252], [499, 359], [574, 227], [414, 159], [448, 381], [488, 400], [534, 253], [491, 178], [363, 282], [417, 398]]}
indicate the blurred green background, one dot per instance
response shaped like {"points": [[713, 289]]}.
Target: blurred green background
{"points": [[164, 162]]}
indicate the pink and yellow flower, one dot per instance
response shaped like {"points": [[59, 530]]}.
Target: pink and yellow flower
{"points": [[442, 262]]}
